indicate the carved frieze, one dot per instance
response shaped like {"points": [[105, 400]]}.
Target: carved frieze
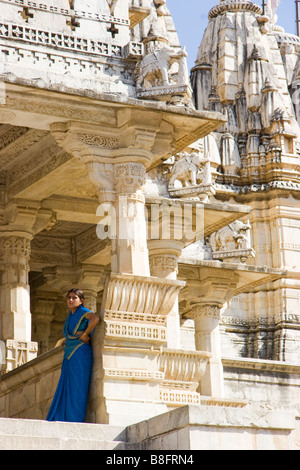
{"points": [[16, 142], [43, 105], [59, 40]]}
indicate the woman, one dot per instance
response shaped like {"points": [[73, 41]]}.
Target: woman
{"points": [[70, 399]]}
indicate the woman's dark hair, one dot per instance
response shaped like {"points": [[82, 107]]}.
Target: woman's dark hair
{"points": [[77, 292]]}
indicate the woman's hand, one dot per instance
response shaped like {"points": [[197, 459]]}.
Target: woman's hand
{"points": [[83, 336]]}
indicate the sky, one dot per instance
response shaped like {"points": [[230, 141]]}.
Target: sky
{"points": [[191, 18]]}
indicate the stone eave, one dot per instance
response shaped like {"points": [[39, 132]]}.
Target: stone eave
{"points": [[249, 277], [43, 107], [216, 214], [137, 15]]}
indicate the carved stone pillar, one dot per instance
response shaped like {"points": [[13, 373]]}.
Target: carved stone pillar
{"points": [[42, 307], [15, 305], [207, 338], [126, 377], [89, 282], [163, 256], [206, 295], [22, 220], [130, 253], [117, 167], [15, 298]]}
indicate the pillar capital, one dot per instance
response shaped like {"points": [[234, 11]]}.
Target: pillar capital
{"points": [[203, 310], [211, 289], [93, 143], [26, 218]]}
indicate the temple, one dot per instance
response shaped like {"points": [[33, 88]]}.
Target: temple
{"points": [[171, 198]]}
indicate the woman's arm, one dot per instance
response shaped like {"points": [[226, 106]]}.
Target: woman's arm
{"points": [[94, 320]]}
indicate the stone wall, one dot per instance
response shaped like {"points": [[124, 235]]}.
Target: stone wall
{"points": [[214, 428], [27, 392], [272, 382]]}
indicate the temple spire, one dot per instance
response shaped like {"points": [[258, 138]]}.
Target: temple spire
{"points": [[297, 2]]}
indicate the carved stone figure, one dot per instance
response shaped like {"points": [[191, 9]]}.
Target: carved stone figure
{"points": [[153, 70], [187, 170], [232, 237]]}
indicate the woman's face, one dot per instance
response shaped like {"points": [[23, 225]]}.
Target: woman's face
{"points": [[73, 301]]}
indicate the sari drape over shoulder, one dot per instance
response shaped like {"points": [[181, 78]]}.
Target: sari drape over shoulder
{"points": [[70, 399]]}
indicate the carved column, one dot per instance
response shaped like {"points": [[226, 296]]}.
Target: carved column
{"points": [[42, 307], [89, 281], [130, 253], [207, 338], [206, 295], [15, 298], [126, 377], [22, 220], [163, 255], [117, 167]]}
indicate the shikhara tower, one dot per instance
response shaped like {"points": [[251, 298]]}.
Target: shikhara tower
{"points": [[100, 117], [247, 69]]}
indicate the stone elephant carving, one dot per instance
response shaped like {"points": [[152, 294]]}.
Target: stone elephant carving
{"points": [[232, 237], [186, 170], [153, 70]]}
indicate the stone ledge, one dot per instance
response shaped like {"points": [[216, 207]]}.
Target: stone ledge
{"points": [[51, 360], [254, 417], [261, 364]]}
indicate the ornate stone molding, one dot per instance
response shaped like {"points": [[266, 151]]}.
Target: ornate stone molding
{"points": [[130, 179], [99, 144], [234, 255], [176, 397], [182, 372], [69, 12], [202, 310], [19, 352], [141, 294], [183, 366], [84, 144], [59, 40], [130, 374], [129, 332], [14, 245], [163, 264]]}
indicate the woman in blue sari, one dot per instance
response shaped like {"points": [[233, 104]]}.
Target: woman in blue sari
{"points": [[70, 399]]}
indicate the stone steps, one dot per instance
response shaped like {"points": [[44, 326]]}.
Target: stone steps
{"points": [[27, 434]]}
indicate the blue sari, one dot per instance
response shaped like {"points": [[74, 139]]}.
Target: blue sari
{"points": [[70, 399]]}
